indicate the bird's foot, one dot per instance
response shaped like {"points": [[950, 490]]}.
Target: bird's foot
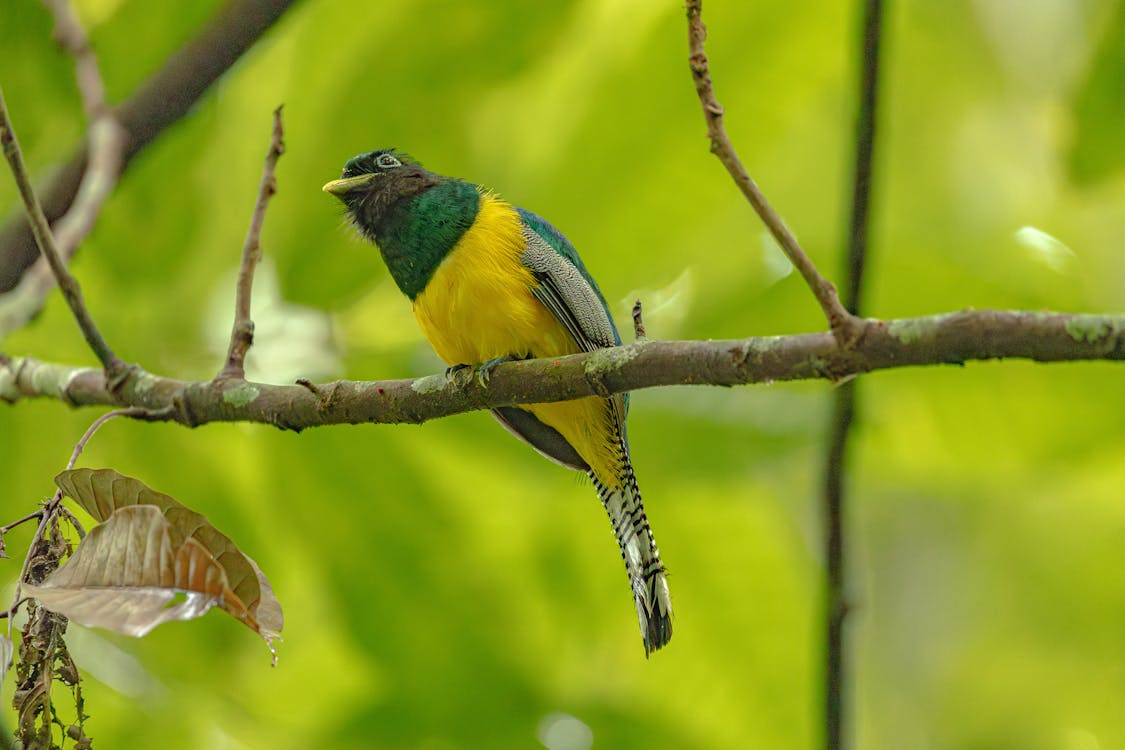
{"points": [[484, 372], [454, 373]]}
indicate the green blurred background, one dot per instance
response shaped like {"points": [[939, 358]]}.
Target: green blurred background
{"points": [[444, 587]]}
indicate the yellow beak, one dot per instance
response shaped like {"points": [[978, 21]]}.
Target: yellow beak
{"points": [[340, 187]]}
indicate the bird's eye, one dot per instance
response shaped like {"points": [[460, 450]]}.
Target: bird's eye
{"points": [[386, 161]]}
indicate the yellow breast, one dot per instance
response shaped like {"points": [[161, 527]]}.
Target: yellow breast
{"points": [[478, 306]]}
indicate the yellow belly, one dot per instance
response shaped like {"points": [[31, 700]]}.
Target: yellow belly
{"points": [[478, 306]]}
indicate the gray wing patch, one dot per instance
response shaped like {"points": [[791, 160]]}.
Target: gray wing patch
{"points": [[543, 438], [566, 293]]}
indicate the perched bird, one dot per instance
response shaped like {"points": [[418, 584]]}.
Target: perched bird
{"points": [[490, 283]]}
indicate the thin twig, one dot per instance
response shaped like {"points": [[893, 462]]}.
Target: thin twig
{"points": [[44, 521], [864, 155], [132, 411], [242, 332], [53, 507], [70, 35], [638, 322], [844, 414], [73, 519], [156, 103], [46, 241], [843, 325], [836, 603], [105, 145], [19, 522]]}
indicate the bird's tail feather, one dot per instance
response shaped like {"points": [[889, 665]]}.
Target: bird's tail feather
{"points": [[622, 500]]}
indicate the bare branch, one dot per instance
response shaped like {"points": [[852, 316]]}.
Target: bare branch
{"points": [[19, 522], [864, 154], [843, 325], [46, 241], [133, 411], [157, 103], [70, 35], [105, 139], [242, 333], [952, 338]]}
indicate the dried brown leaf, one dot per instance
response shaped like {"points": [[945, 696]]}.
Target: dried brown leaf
{"points": [[129, 575], [268, 610], [102, 491]]}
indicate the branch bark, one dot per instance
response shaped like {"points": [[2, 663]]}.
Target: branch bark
{"points": [[952, 338]]}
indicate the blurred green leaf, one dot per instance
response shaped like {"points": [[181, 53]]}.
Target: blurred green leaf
{"points": [[1098, 150], [455, 589]]}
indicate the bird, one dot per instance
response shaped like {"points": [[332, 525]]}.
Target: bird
{"points": [[489, 283]]}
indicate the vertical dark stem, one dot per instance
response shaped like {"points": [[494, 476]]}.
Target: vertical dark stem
{"points": [[836, 605], [835, 548], [864, 153]]}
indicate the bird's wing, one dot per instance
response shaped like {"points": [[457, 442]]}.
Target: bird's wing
{"points": [[565, 287], [542, 437], [569, 292]]}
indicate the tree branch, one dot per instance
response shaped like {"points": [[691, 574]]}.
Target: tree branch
{"points": [[160, 101], [843, 325], [836, 605], [952, 338], [242, 332], [46, 242], [105, 138]]}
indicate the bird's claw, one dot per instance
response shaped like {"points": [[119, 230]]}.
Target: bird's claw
{"points": [[484, 372], [453, 372]]}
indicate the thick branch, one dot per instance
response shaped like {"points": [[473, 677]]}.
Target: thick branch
{"points": [[840, 321], [953, 338], [242, 332], [159, 102]]}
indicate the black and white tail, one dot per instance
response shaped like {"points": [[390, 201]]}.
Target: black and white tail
{"points": [[622, 501]]}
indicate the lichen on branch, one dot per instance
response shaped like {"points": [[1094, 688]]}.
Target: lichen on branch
{"points": [[951, 338]]}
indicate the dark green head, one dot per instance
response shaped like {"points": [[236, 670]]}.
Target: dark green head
{"points": [[412, 214], [374, 182]]}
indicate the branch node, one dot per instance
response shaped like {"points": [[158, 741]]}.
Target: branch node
{"points": [[324, 397]]}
